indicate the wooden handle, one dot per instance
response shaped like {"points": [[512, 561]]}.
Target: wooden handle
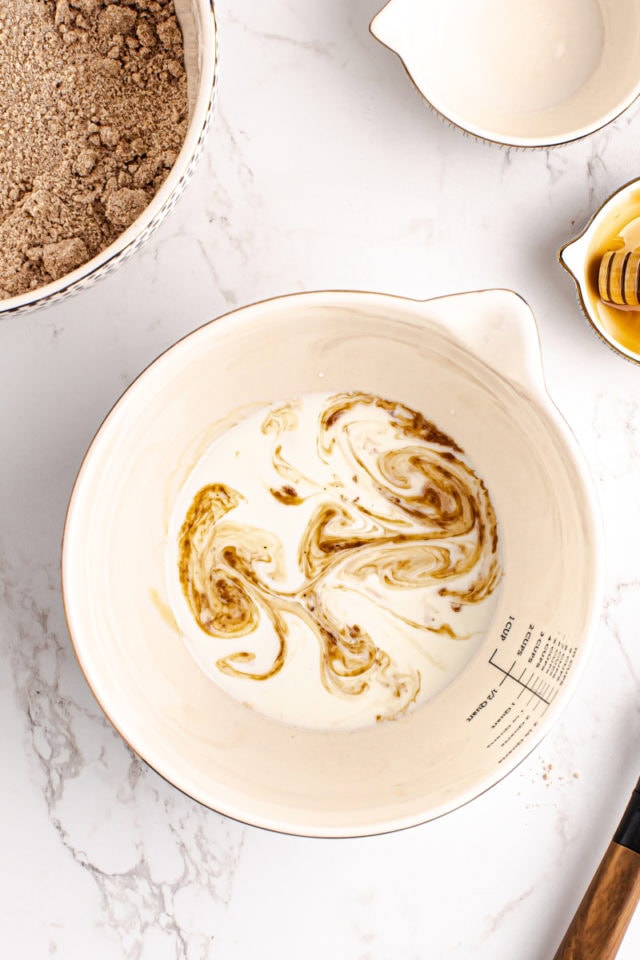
{"points": [[602, 918]]}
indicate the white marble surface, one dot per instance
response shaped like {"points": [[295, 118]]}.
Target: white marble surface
{"points": [[324, 168]]}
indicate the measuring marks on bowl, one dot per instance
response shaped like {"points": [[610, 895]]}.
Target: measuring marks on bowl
{"points": [[531, 666]]}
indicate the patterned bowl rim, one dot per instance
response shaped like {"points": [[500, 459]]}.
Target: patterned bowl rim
{"points": [[131, 239]]}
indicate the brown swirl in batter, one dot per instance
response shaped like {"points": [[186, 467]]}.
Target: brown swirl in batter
{"points": [[432, 524]]}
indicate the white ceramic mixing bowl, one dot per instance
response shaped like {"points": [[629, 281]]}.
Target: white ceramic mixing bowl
{"points": [[197, 21], [471, 363], [524, 72]]}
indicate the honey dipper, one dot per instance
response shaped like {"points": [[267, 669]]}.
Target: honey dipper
{"points": [[619, 278]]}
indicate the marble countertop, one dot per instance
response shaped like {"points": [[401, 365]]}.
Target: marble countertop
{"points": [[323, 169]]}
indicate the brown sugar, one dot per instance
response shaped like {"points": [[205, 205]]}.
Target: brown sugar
{"points": [[94, 112]]}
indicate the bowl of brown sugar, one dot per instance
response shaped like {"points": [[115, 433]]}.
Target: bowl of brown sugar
{"points": [[106, 104]]}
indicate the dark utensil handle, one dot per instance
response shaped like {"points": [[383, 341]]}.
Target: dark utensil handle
{"points": [[602, 918]]}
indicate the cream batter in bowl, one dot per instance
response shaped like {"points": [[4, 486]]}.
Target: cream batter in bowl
{"points": [[346, 569], [332, 564]]}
